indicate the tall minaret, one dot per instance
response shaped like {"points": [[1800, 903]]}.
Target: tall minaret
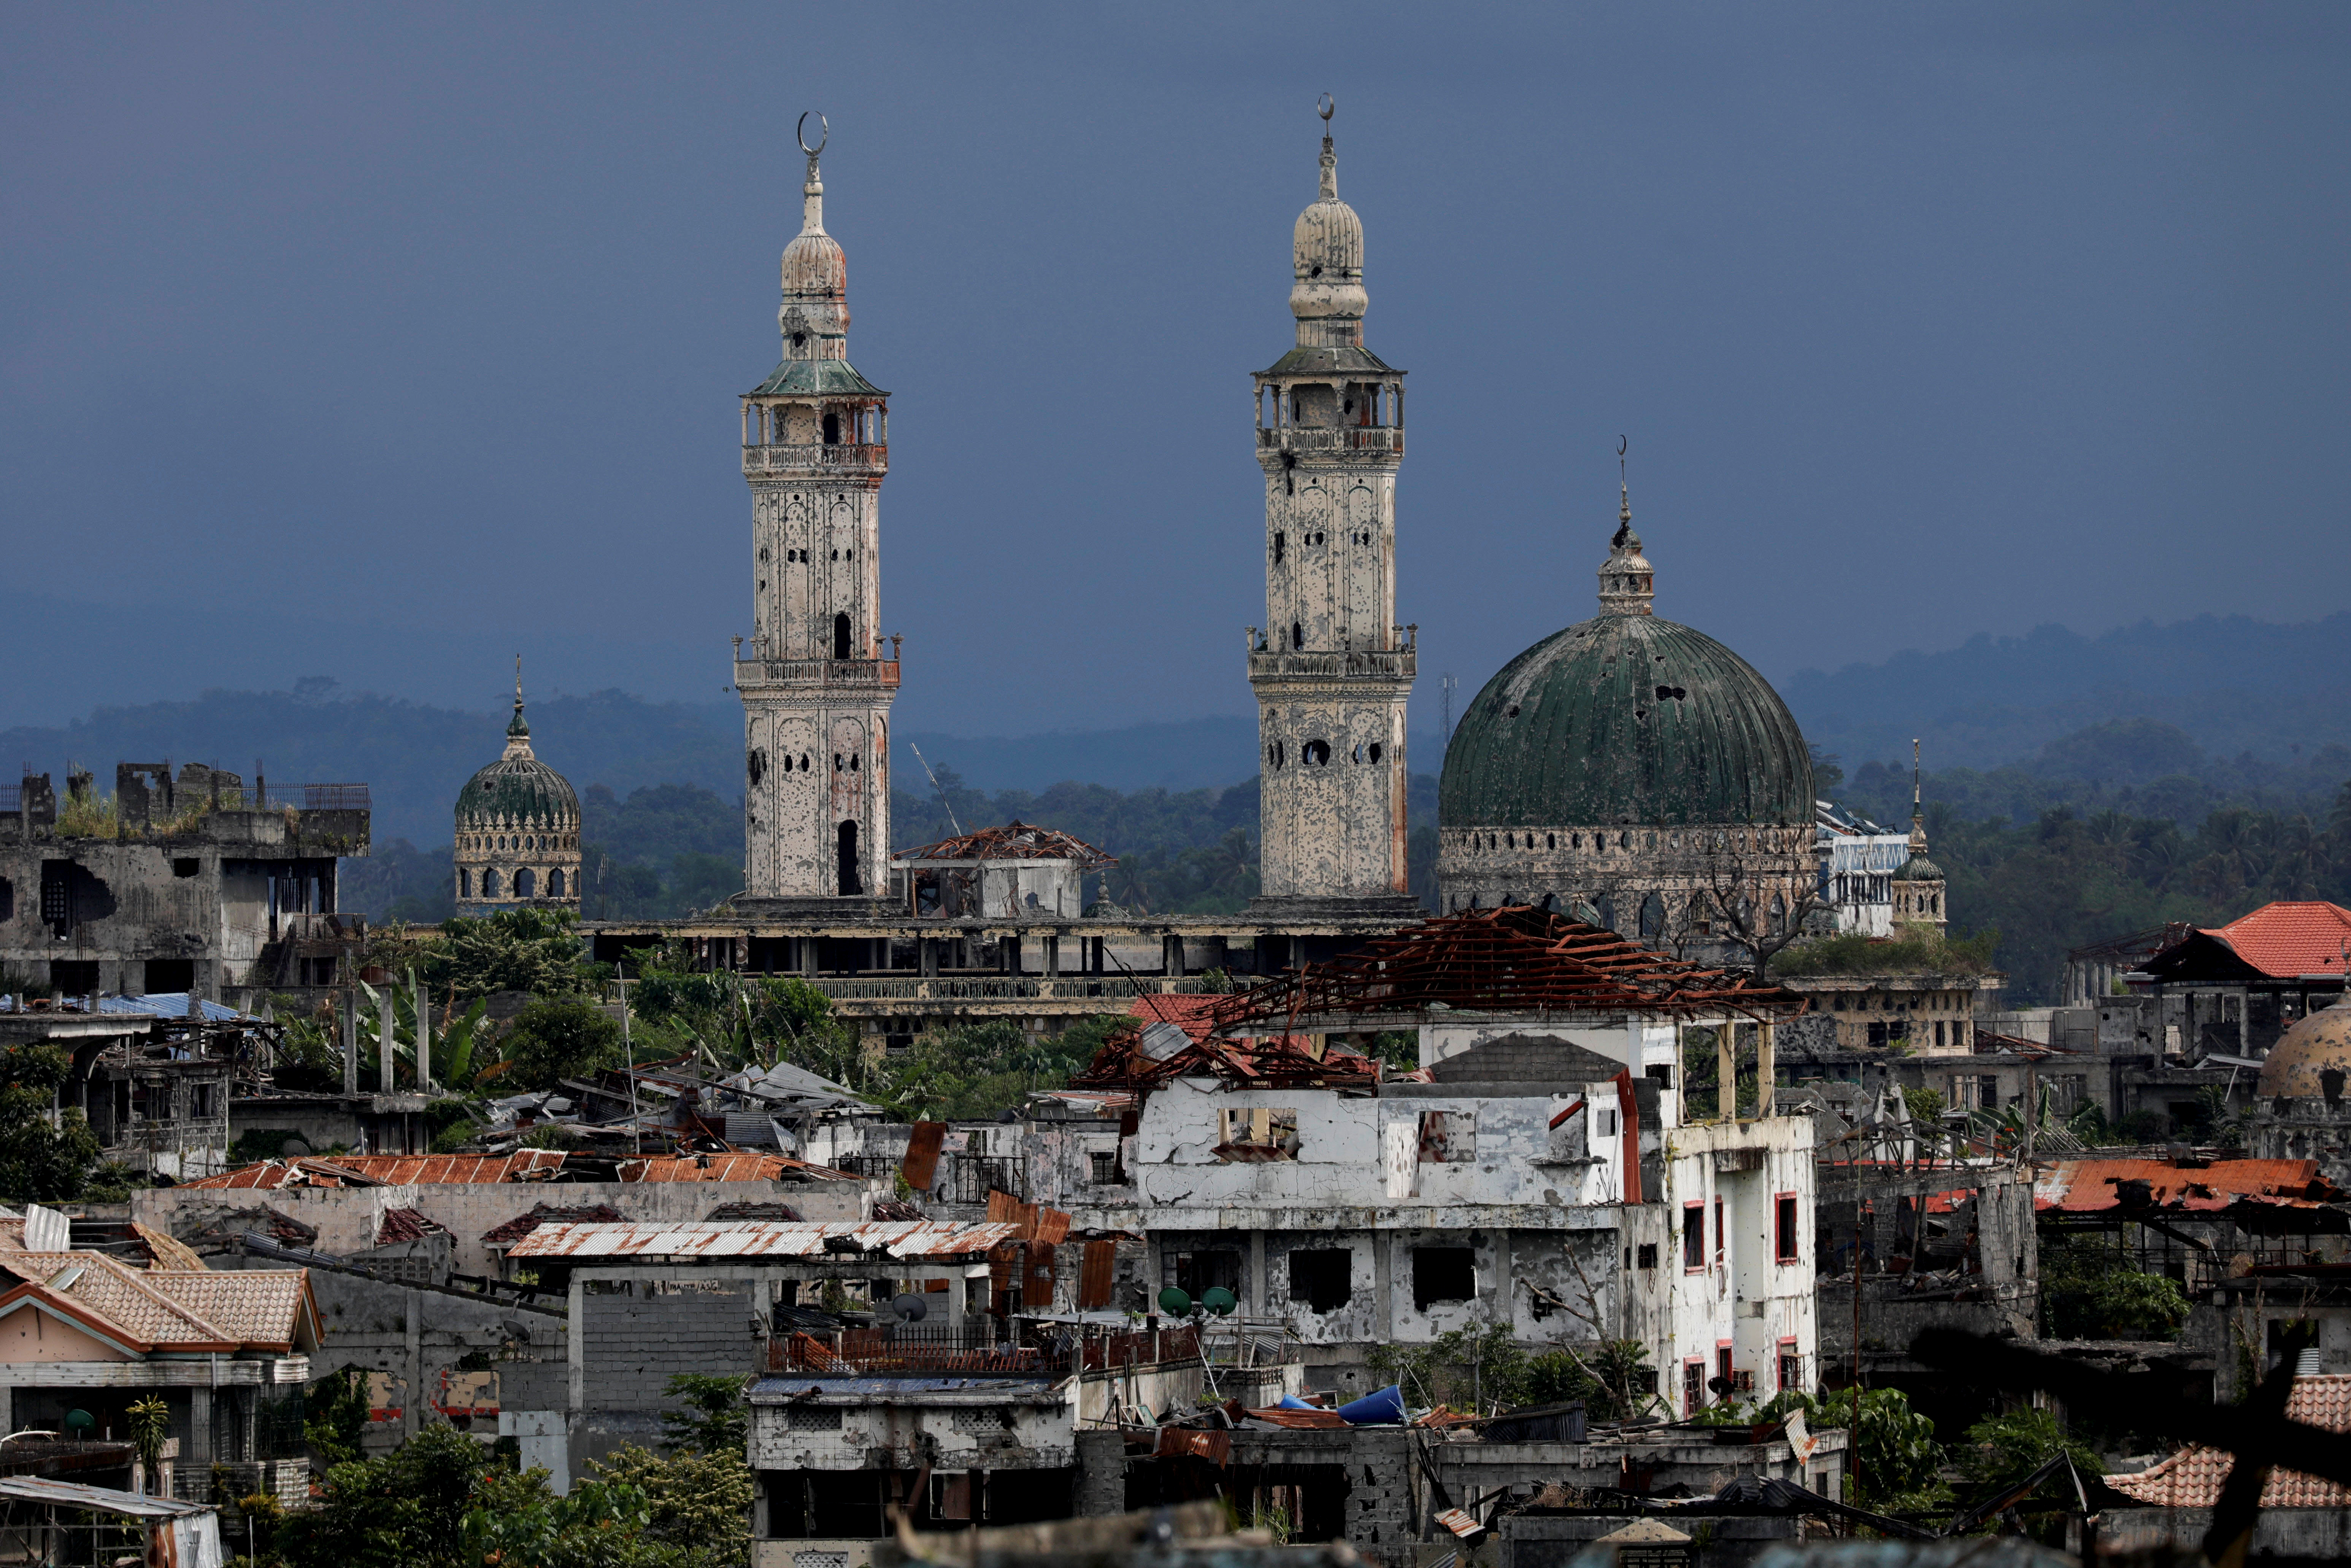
{"points": [[1332, 668], [815, 680]]}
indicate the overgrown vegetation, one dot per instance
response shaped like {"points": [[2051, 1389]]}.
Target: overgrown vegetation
{"points": [[2091, 1291], [1918, 950], [38, 1162], [1482, 1370]]}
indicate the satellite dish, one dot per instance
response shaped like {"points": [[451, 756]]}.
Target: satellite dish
{"points": [[80, 1421], [1218, 1301], [910, 1307], [1174, 1302]]}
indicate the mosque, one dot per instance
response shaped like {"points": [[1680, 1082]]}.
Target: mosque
{"points": [[517, 842], [1627, 770]]}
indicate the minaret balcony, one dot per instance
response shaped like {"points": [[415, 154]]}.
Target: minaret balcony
{"points": [[846, 674], [1376, 440], [865, 459], [1369, 663]]}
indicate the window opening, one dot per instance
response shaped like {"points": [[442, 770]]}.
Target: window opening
{"points": [[1694, 1236], [841, 636], [1319, 1278], [1256, 1133], [1443, 1274], [850, 883]]}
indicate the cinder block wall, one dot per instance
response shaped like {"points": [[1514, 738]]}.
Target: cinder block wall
{"points": [[632, 1345]]}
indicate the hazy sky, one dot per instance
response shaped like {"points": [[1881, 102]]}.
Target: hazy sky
{"points": [[1921, 320]]}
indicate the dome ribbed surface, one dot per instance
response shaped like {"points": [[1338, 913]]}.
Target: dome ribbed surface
{"points": [[518, 790], [1919, 868], [1626, 719]]}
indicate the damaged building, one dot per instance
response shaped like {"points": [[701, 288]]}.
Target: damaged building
{"points": [[1536, 1172], [180, 882]]}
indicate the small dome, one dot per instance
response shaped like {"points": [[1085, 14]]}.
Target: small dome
{"points": [[1919, 868], [1327, 264], [517, 790], [814, 316], [2310, 1046]]}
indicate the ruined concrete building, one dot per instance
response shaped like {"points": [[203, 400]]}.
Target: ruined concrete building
{"points": [[1331, 668], [1537, 1172], [517, 831], [816, 686], [1637, 774], [181, 882], [1015, 870]]}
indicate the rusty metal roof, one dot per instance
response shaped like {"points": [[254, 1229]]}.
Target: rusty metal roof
{"points": [[713, 1240], [1015, 841], [2085, 1187], [522, 1166], [1516, 961]]}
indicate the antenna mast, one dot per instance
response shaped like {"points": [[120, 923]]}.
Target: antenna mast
{"points": [[934, 784]]}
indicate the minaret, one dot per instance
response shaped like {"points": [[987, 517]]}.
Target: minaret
{"points": [[815, 680], [1330, 669], [1919, 886]]}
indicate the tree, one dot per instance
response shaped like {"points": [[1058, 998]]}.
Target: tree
{"points": [[698, 1504], [2002, 1450], [715, 1420], [534, 950], [554, 1040], [517, 1523], [40, 1163], [406, 1510], [2090, 1293]]}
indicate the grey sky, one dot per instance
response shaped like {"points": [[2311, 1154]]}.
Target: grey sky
{"points": [[1921, 320]]}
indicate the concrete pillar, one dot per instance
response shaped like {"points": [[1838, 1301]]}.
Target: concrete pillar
{"points": [[424, 1036], [1052, 957], [1766, 1067], [1257, 1275], [351, 1041], [1170, 956], [386, 1019], [1726, 1070], [198, 1458], [411, 1362], [929, 949], [1383, 1286]]}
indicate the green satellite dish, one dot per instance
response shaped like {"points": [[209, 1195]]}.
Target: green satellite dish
{"points": [[80, 1421], [1218, 1300], [1174, 1302]]}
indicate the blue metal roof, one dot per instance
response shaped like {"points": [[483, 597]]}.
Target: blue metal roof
{"points": [[172, 1005]]}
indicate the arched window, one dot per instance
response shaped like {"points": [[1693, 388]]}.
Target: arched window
{"points": [[850, 882], [1779, 915], [555, 884], [525, 882], [841, 636], [1653, 918], [1374, 751], [831, 427], [490, 882], [1317, 752], [1298, 634], [464, 882]]}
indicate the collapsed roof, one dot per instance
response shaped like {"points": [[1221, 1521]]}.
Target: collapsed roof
{"points": [[1015, 841], [1514, 962]]}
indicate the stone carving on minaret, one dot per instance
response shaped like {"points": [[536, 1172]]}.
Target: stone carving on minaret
{"points": [[815, 679], [1331, 668]]}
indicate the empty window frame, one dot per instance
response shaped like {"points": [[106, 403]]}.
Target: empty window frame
{"points": [[1792, 1367], [1693, 1237], [1443, 1274], [1195, 1272], [1320, 1278], [1784, 1228], [1449, 1137], [1693, 1387], [1647, 1253], [1103, 1166], [1256, 1133], [1721, 1234]]}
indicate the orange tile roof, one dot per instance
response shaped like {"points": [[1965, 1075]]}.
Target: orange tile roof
{"points": [[2193, 1476], [2081, 1187], [124, 1297], [1190, 1014], [261, 1308], [431, 1170], [2287, 939], [174, 1309], [736, 1167]]}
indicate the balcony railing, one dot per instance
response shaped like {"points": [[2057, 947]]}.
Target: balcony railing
{"points": [[1375, 439], [872, 674], [781, 459], [1387, 664], [1004, 988]]}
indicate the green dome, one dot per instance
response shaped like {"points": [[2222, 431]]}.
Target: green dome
{"points": [[1625, 719], [1919, 868], [517, 790]]}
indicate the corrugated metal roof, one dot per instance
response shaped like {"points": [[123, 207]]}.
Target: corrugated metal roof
{"points": [[2078, 1187], [2193, 1476], [789, 1390], [759, 1239], [171, 1005], [100, 1499], [523, 1165], [464, 1170]]}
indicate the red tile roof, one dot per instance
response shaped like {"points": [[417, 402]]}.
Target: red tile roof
{"points": [[2290, 939], [522, 1225], [2085, 1187], [406, 1225], [2193, 1476], [171, 1309]]}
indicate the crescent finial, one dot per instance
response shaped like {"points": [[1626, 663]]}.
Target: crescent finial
{"points": [[1326, 106], [824, 133]]}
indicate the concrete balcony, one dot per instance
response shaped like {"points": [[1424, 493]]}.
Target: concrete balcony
{"points": [[865, 459], [866, 674], [1372, 442], [1381, 665]]}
